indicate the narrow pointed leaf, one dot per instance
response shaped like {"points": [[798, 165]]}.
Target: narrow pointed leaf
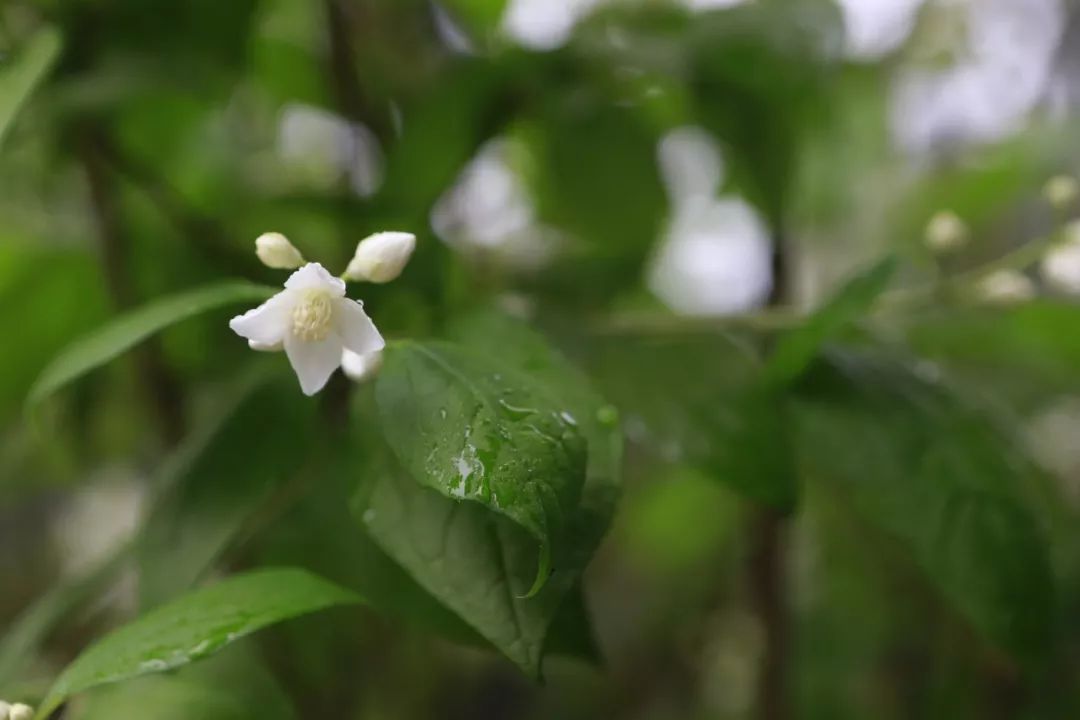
{"points": [[196, 626], [795, 351], [129, 329], [21, 74]]}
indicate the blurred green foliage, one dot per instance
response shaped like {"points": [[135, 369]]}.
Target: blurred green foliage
{"points": [[819, 513]]}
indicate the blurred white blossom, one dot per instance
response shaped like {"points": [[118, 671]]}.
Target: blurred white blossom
{"points": [[1060, 267], [97, 520], [322, 148], [714, 260], [877, 27], [987, 94], [18, 711], [489, 211], [715, 256], [1006, 287], [359, 367], [1061, 191], [691, 163], [946, 232], [1051, 435]]}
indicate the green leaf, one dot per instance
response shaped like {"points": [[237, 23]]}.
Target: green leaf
{"points": [[481, 16], [477, 563], [796, 350], [762, 116], [476, 431], [126, 331], [934, 475], [595, 175], [1035, 340], [226, 476], [196, 626], [528, 419], [515, 344], [232, 685], [697, 399], [57, 296], [19, 77]]}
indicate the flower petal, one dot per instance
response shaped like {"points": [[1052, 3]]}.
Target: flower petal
{"points": [[360, 367], [314, 362], [315, 276], [358, 332], [266, 324], [261, 347]]}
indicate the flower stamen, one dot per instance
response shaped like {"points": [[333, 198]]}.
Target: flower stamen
{"points": [[312, 317]]}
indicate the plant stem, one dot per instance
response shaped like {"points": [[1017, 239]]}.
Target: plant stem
{"points": [[161, 386], [768, 590], [767, 566]]}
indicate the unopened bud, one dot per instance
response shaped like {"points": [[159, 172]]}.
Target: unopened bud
{"points": [[359, 367], [275, 251], [946, 232], [1061, 191], [18, 711], [1006, 287], [381, 257], [5, 708]]}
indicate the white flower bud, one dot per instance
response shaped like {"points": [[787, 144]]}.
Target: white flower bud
{"points": [[946, 232], [1060, 267], [359, 367], [1006, 287], [1061, 191], [381, 257], [5, 708], [275, 251], [19, 711]]}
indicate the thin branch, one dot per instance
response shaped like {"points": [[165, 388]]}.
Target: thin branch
{"points": [[767, 569], [161, 386]]}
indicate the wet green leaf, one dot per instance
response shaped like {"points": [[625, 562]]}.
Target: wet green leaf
{"points": [[196, 626], [475, 430], [230, 686], [502, 449]]}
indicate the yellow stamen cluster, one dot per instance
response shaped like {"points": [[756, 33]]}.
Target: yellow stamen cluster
{"points": [[313, 316]]}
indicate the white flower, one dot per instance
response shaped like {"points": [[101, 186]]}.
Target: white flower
{"points": [[1060, 266], [1006, 287], [1061, 191], [946, 232], [275, 251], [5, 708], [314, 322], [381, 257], [18, 711], [360, 367]]}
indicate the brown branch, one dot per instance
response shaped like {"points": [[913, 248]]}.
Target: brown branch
{"points": [[202, 232], [768, 590], [767, 571], [161, 386], [341, 65]]}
